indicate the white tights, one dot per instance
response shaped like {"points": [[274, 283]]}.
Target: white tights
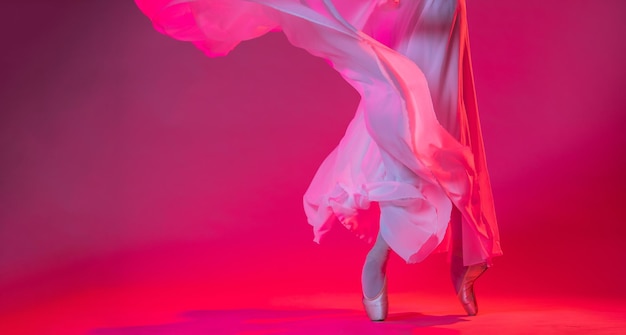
{"points": [[373, 276], [374, 269]]}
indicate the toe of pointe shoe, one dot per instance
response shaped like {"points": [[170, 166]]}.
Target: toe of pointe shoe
{"points": [[376, 308], [468, 300], [465, 287]]}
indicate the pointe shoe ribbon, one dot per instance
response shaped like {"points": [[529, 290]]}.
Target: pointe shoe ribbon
{"points": [[376, 308]]}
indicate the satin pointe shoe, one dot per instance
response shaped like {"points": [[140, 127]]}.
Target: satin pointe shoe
{"points": [[463, 278], [376, 308]]}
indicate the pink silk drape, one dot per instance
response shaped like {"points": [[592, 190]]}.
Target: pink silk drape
{"points": [[414, 145]]}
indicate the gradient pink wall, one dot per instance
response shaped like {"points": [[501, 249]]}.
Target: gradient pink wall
{"points": [[126, 155]]}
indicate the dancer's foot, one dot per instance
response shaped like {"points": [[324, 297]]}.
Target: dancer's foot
{"points": [[373, 280], [376, 308], [463, 278]]}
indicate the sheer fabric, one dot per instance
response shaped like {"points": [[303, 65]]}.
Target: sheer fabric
{"points": [[414, 145]]}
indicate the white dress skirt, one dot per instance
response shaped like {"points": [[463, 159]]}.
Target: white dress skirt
{"points": [[414, 146]]}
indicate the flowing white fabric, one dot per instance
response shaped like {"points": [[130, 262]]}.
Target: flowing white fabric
{"points": [[414, 145]]}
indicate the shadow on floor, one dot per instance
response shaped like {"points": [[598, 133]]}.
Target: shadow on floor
{"points": [[319, 322]]}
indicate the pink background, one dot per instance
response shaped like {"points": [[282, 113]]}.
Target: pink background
{"points": [[126, 156]]}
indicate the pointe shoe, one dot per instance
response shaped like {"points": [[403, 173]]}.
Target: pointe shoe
{"points": [[376, 308], [463, 278]]}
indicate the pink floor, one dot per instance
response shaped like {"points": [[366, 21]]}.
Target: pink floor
{"points": [[166, 291], [185, 308]]}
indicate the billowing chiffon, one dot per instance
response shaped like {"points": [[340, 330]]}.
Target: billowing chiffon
{"points": [[414, 145]]}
